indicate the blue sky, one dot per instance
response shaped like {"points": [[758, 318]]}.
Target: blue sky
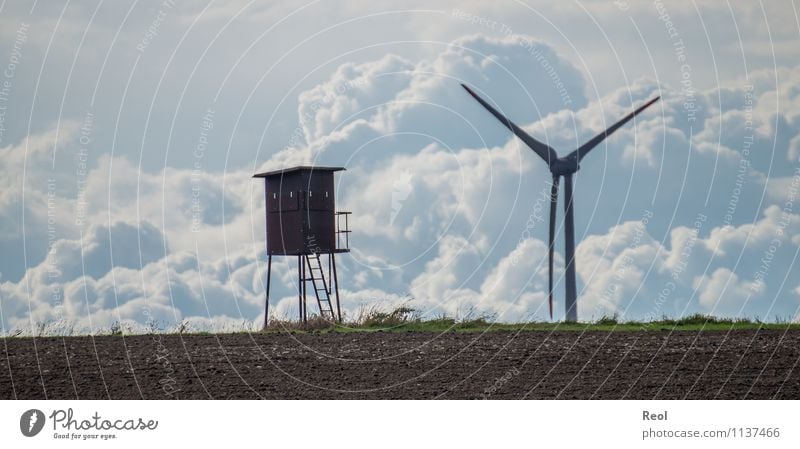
{"points": [[130, 131]]}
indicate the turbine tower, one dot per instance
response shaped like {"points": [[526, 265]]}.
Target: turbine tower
{"points": [[561, 167]]}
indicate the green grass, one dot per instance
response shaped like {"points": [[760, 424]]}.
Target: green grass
{"points": [[405, 319], [407, 322]]}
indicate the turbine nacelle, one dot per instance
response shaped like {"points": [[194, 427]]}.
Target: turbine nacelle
{"points": [[564, 166]]}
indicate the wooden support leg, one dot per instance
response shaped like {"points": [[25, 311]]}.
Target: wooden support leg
{"points": [[266, 305], [336, 288]]}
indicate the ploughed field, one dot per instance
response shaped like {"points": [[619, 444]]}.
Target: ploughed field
{"points": [[415, 365]]}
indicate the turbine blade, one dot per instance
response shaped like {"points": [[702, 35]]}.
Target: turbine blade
{"points": [[553, 208], [584, 149], [543, 150]]}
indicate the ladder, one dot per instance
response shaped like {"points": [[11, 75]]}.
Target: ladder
{"points": [[320, 285]]}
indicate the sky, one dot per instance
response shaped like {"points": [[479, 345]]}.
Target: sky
{"points": [[129, 132]]}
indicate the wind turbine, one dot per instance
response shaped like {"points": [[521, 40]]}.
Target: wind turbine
{"points": [[561, 167]]}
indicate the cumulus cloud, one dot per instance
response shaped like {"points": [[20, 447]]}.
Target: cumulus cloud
{"points": [[448, 207], [722, 270], [723, 290]]}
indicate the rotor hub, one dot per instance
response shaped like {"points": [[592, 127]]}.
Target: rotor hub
{"points": [[564, 166]]}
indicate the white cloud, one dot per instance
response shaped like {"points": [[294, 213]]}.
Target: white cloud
{"points": [[626, 271], [447, 206], [724, 292]]}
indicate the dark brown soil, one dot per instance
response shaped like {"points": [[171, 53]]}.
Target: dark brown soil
{"points": [[496, 365]]}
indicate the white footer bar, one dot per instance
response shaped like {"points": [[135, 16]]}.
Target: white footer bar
{"points": [[401, 424]]}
